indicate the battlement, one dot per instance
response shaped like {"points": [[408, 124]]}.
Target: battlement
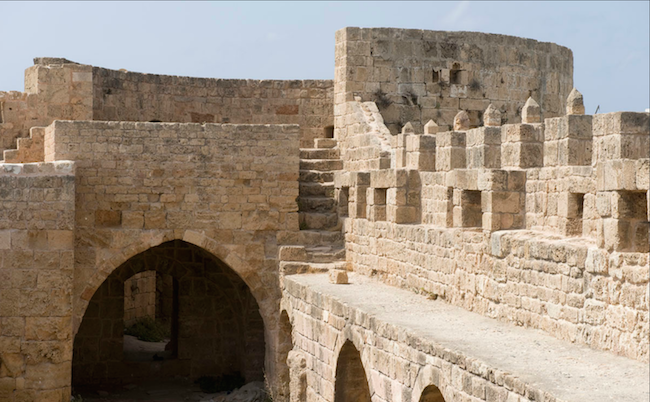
{"points": [[457, 168]]}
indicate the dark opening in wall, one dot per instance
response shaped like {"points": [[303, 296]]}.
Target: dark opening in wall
{"points": [[220, 331], [633, 221], [470, 204], [329, 132], [575, 212], [351, 384], [436, 76], [150, 317], [455, 74], [431, 394]]}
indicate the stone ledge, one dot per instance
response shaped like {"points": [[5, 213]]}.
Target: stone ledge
{"points": [[57, 168], [538, 363]]}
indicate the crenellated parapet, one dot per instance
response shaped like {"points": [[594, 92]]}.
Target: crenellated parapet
{"points": [[574, 178]]}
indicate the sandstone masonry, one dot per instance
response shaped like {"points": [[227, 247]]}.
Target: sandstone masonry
{"points": [[441, 222]]}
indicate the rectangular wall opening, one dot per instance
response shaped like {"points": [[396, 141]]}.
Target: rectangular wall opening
{"points": [[471, 208], [575, 212], [328, 132], [633, 221]]}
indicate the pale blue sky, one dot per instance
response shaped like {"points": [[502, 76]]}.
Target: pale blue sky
{"points": [[287, 40]]}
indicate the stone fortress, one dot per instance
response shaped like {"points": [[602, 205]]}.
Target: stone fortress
{"points": [[441, 222]]}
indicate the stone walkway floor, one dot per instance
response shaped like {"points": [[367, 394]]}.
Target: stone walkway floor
{"points": [[568, 371]]}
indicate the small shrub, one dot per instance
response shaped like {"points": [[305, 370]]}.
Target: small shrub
{"points": [[148, 330], [474, 85], [381, 99]]}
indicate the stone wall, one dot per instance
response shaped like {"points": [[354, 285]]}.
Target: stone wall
{"points": [[580, 271], [417, 75], [140, 297], [128, 96], [365, 341], [54, 89], [36, 275], [58, 89], [572, 290], [229, 189]]}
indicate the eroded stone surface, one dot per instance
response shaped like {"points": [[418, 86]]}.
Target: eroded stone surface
{"points": [[540, 224]]}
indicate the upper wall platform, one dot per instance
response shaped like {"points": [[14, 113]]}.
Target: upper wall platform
{"points": [[58, 89], [128, 96], [416, 75]]}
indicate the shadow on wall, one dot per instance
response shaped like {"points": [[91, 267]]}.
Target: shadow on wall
{"points": [[351, 383], [216, 328]]}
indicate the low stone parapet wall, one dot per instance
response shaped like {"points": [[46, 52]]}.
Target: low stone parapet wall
{"points": [[569, 288], [407, 345]]}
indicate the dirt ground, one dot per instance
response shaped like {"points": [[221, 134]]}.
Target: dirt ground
{"points": [[177, 390]]}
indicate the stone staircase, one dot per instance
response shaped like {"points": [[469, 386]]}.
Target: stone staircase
{"points": [[316, 202], [319, 246], [29, 149]]}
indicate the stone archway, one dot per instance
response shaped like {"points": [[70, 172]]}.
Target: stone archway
{"points": [[432, 394], [351, 384], [220, 328]]}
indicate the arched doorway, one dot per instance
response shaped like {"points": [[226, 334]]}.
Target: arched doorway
{"points": [[351, 384], [431, 394], [215, 327]]}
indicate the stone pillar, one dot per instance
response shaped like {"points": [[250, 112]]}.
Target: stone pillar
{"points": [[522, 146], [503, 199], [421, 152], [297, 376], [450, 151], [357, 195], [621, 159]]}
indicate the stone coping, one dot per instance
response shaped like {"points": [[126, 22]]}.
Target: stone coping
{"points": [[56, 168], [569, 372]]}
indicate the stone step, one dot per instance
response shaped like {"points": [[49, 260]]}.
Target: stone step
{"points": [[321, 164], [312, 238], [325, 143], [296, 267], [319, 153], [318, 221], [10, 154], [316, 190], [24, 142], [315, 176], [318, 254], [316, 204]]}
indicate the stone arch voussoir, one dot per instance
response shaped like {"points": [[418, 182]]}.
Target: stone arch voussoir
{"points": [[429, 376], [116, 259]]}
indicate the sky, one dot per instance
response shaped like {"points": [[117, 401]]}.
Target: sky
{"points": [[295, 40]]}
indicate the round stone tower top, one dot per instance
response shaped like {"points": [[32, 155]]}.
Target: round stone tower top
{"points": [[420, 75]]}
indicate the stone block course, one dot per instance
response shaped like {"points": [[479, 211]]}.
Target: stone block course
{"points": [[520, 217]]}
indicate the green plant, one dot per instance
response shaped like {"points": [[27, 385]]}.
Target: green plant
{"points": [[149, 330], [410, 98]]}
